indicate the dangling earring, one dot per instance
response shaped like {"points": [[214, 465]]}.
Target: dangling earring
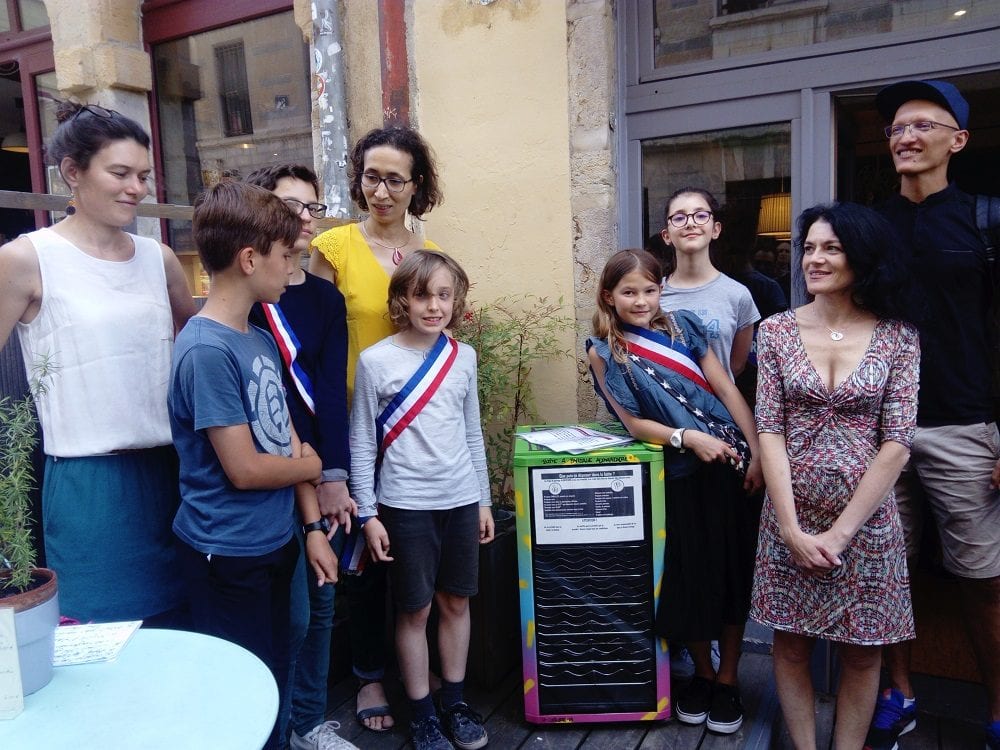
{"points": [[71, 206]]}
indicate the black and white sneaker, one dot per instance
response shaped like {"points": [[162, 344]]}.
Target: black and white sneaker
{"points": [[726, 713], [464, 726], [692, 705], [427, 735]]}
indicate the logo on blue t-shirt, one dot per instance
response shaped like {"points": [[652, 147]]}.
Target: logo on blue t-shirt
{"points": [[270, 422]]}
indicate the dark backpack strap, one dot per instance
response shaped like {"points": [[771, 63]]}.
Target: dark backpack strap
{"points": [[988, 224]]}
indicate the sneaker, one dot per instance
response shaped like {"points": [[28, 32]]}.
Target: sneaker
{"points": [[464, 726], [694, 701], [427, 735], [322, 737], [726, 714], [993, 736], [891, 721]]}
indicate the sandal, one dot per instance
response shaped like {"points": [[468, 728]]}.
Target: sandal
{"points": [[372, 711]]}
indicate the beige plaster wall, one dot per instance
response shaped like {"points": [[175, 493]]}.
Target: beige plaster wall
{"points": [[489, 86]]}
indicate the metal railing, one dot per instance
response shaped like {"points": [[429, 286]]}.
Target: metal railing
{"points": [[172, 211]]}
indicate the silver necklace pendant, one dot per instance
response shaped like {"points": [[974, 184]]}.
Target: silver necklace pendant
{"points": [[835, 335]]}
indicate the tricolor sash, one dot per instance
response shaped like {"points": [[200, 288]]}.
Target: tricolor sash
{"points": [[410, 401], [396, 417], [354, 554], [658, 347], [288, 346]]}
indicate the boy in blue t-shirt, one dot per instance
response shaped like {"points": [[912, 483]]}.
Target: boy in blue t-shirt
{"points": [[239, 455]]}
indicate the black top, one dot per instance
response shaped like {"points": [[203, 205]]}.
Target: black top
{"points": [[316, 312], [953, 280], [768, 296]]}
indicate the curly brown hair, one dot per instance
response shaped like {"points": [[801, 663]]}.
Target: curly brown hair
{"points": [[428, 192]]}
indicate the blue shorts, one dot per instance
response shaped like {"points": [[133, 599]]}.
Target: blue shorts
{"points": [[432, 550]]}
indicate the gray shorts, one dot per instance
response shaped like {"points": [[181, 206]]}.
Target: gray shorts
{"points": [[950, 467], [432, 550]]}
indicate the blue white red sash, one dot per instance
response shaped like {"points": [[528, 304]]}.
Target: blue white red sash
{"points": [[288, 346], [354, 554], [659, 348], [408, 403], [396, 417]]}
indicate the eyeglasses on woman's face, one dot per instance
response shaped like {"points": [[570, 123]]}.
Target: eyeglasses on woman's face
{"points": [[680, 219], [316, 210], [393, 184]]}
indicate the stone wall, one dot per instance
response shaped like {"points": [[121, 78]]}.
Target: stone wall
{"points": [[593, 201]]}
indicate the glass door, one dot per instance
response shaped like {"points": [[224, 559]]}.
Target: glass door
{"points": [[747, 169], [865, 173]]}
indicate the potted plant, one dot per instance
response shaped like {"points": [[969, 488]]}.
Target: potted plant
{"points": [[29, 590], [510, 337]]}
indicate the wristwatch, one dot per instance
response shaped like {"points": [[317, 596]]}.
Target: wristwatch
{"points": [[677, 439], [320, 525]]}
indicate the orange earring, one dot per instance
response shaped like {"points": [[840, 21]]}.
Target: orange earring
{"points": [[71, 206]]}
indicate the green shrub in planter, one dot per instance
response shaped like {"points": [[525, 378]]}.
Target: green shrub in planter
{"points": [[510, 337], [31, 591]]}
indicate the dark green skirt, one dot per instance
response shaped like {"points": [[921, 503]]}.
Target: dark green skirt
{"points": [[107, 527]]}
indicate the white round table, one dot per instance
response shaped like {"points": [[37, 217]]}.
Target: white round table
{"points": [[167, 689]]}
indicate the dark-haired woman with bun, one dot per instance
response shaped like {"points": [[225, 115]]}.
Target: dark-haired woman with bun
{"points": [[836, 411], [100, 307]]}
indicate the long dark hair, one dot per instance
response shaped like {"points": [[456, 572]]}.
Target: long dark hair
{"points": [[882, 283], [82, 133]]}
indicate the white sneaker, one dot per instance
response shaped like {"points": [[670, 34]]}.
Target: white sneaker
{"points": [[322, 737]]}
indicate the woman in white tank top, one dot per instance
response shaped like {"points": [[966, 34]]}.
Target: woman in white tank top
{"points": [[101, 306]]}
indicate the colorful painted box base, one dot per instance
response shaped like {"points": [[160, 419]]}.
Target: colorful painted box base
{"points": [[590, 564]]}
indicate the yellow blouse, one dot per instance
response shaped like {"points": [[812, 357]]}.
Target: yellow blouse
{"points": [[365, 286]]}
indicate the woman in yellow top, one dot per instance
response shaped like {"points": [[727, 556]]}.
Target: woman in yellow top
{"points": [[392, 173]]}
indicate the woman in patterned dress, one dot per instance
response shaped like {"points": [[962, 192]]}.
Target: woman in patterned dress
{"points": [[836, 410]]}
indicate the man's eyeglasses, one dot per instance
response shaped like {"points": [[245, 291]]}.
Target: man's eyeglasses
{"points": [[920, 126], [96, 111], [680, 219], [392, 184], [316, 210]]}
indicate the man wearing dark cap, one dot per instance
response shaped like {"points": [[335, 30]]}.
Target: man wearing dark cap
{"points": [[954, 456]]}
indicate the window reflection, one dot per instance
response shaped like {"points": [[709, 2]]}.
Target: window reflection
{"points": [[746, 169], [688, 31], [33, 14], [230, 101], [48, 104]]}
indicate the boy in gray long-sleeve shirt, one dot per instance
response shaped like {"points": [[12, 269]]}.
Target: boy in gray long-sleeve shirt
{"points": [[417, 458]]}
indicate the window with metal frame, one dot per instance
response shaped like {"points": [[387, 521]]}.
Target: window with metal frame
{"points": [[234, 93]]}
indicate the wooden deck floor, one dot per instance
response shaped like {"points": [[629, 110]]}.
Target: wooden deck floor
{"points": [[950, 723]]}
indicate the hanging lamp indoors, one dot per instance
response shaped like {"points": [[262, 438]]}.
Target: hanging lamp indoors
{"points": [[16, 142], [775, 217]]}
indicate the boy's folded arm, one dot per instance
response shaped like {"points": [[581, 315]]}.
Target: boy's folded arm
{"points": [[249, 469]]}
